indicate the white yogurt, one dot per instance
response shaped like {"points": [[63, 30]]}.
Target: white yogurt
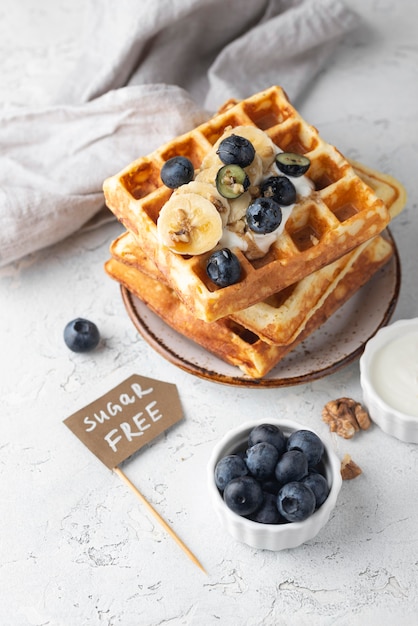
{"points": [[303, 185], [394, 373], [231, 239]]}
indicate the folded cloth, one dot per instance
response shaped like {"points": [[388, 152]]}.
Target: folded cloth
{"points": [[148, 71]]}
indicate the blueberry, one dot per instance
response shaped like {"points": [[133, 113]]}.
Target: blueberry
{"points": [[280, 188], [292, 465], [223, 267], [319, 485], [262, 459], [81, 335], [269, 433], [236, 149], [232, 181], [309, 443], [229, 467], [243, 495], [268, 513], [271, 486], [292, 164], [296, 501], [264, 215], [177, 171]]}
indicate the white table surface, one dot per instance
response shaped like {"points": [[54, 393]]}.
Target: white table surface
{"points": [[76, 547]]}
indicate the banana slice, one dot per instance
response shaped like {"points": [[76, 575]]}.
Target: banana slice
{"points": [[211, 160], [208, 174], [239, 207], [189, 224], [255, 171], [208, 191]]}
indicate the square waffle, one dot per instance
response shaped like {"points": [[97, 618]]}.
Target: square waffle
{"points": [[341, 213], [226, 338], [280, 318], [288, 317]]}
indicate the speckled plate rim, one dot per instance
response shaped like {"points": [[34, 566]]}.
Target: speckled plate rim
{"points": [[176, 349]]}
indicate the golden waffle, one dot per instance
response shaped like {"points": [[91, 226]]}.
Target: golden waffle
{"points": [[342, 213], [225, 338], [280, 318], [388, 188]]}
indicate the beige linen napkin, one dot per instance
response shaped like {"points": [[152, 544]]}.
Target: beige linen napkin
{"points": [[148, 71]]}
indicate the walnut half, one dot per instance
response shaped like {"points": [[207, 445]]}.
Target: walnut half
{"points": [[345, 417]]}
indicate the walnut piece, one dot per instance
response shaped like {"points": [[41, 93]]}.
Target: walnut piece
{"points": [[349, 469], [362, 417], [345, 417]]}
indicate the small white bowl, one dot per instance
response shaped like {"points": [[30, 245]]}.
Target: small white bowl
{"points": [[272, 536], [380, 397]]}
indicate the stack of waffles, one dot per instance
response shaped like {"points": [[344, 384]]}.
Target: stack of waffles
{"points": [[332, 243]]}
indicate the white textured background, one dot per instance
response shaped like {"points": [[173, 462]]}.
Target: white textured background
{"points": [[76, 548]]}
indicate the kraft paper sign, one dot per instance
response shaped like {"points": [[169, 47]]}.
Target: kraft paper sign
{"points": [[126, 418]]}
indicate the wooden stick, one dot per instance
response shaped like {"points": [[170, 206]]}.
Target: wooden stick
{"points": [[161, 520]]}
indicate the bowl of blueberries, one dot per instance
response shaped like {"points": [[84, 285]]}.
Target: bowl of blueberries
{"points": [[273, 484]]}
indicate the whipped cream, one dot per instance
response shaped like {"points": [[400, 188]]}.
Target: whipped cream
{"points": [[394, 373], [303, 185]]}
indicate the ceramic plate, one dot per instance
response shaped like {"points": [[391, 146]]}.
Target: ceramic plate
{"points": [[335, 344]]}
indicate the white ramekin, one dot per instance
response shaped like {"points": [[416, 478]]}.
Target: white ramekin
{"points": [[272, 536], [390, 419]]}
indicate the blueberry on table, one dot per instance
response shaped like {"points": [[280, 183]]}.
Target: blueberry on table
{"points": [[232, 181], [264, 215], [280, 188], [292, 465], [81, 335], [309, 443], [292, 164], [296, 501], [229, 467], [261, 460], [269, 433], [177, 171], [236, 150], [243, 495], [223, 267], [319, 485]]}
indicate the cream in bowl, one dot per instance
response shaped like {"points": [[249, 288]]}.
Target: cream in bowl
{"points": [[282, 500], [389, 379]]}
